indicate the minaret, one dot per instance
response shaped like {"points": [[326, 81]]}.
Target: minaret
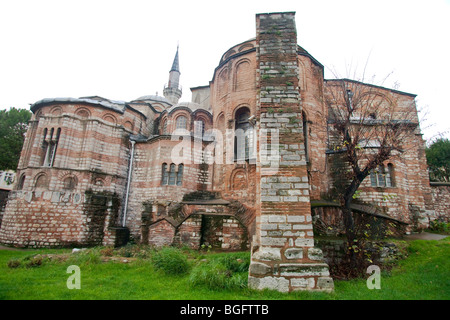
{"points": [[172, 91]]}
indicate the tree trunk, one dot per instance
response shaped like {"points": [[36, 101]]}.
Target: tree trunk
{"points": [[349, 222]]}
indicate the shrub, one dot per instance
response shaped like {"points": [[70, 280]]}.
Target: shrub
{"points": [[234, 264], [215, 276], [14, 263], [226, 272], [107, 252], [35, 261], [440, 226], [88, 256], [134, 251], [171, 261], [28, 261]]}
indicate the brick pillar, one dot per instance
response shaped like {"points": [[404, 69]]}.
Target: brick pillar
{"points": [[283, 253]]}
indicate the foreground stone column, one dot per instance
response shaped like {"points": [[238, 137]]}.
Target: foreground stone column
{"points": [[283, 253]]}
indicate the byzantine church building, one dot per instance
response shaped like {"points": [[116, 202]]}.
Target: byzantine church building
{"points": [[158, 171]]}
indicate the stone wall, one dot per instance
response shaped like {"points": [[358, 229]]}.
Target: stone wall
{"points": [[146, 181], [190, 232], [233, 88], [408, 197], [58, 219], [3, 200], [283, 253], [440, 192], [160, 233], [199, 220]]}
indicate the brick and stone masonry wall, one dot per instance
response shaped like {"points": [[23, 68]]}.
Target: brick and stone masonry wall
{"points": [[283, 253], [441, 198], [59, 219], [91, 151], [146, 186]]}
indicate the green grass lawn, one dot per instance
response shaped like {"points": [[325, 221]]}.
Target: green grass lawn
{"points": [[423, 275]]}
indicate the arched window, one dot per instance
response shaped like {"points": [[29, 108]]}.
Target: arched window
{"points": [[83, 113], [21, 183], [41, 182], [70, 183], [164, 127], [243, 136], [305, 135], [180, 175], [390, 176], [172, 175], [220, 123], [164, 175], [199, 129], [49, 146], [44, 147], [181, 122]]}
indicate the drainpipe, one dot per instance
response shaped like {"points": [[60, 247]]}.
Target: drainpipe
{"points": [[130, 167]]}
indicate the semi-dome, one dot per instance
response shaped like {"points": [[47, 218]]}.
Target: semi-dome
{"points": [[190, 105]]}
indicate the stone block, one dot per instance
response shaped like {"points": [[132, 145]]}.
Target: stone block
{"points": [[303, 283], [302, 226], [295, 218], [304, 242], [271, 241], [267, 254], [47, 195], [315, 254], [304, 269], [258, 268], [28, 196], [325, 284], [55, 196], [270, 198], [268, 226], [277, 218], [293, 253], [274, 283]]}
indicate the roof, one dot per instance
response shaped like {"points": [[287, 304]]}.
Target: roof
{"points": [[154, 98], [371, 85], [190, 105], [118, 106], [176, 63]]}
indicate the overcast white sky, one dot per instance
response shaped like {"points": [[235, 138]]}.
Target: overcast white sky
{"points": [[122, 50]]}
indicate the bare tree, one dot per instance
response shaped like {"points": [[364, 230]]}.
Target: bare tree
{"points": [[368, 125]]}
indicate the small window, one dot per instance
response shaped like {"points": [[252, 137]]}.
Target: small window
{"points": [[380, 177], [41, 182], [49, 146], [199, 127], [172, 175], [306, 135], [390, 176], [164, 127], [181, 122], [243, 136], [21, 183], [180, 175], [164, 175], [69, 183]]}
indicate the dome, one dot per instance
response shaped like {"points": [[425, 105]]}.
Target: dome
{"points": [[154, 98]]}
